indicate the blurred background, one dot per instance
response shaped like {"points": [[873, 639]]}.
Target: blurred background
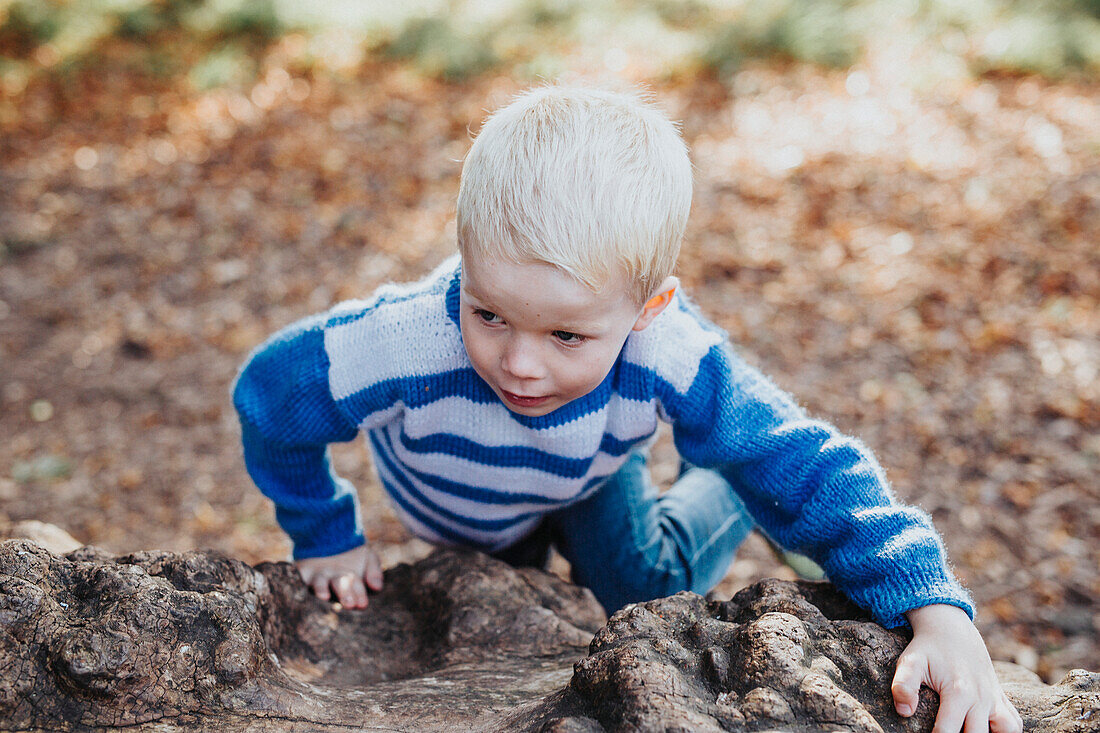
{"points": [[897, 216]]}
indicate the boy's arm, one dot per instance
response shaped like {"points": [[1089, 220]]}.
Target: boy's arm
{"points": [[288, 417], [822, 493], [811, 488]]}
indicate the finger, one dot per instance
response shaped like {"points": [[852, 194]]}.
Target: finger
{"points": [[350, 591], [344, 591], [977, 719], [319, 585], [955, 703], [358, 591], [373, 573], [906, 685], [1005, 718]]}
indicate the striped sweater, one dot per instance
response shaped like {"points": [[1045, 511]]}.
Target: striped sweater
{"points": [[462, 469]]}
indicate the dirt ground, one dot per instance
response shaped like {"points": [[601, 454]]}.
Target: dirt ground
{"points": [[920, 267]]}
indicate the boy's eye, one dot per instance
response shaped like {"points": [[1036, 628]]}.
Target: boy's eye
{"points": [[568, 337], [487, 316]]}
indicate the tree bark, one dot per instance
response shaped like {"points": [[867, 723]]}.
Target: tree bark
{"points": [[158, 640]]}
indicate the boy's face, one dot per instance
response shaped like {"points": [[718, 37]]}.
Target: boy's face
{"points": [[539, 337]]}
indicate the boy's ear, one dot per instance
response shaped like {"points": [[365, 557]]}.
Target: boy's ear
{"points": [[657, 303]]}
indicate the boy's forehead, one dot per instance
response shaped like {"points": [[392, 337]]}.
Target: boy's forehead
{"points": [[545, 290]]}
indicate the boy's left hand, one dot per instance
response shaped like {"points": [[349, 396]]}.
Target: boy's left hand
{"points": [[948, 655]]}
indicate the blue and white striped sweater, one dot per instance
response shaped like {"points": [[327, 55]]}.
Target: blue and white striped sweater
{"points": [[462, 469]]}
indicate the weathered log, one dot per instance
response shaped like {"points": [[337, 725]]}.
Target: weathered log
{"points": [[162, 641], [780, 655], [91, 640]]}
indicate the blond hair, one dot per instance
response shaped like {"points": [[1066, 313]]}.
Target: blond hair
{"points": [[588, 180]]}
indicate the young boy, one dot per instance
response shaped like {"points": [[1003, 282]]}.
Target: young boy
{"points": [[509, 397]]}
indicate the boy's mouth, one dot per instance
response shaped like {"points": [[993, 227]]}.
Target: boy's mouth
{"points": [[523, 401]]}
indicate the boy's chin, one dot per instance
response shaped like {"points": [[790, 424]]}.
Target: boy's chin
{"points": [[531, 411]]}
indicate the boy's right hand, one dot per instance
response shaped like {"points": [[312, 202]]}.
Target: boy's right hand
{"points": [[348, 575]]}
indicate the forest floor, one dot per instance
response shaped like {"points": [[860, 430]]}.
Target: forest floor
{"points": [[921, 268]]}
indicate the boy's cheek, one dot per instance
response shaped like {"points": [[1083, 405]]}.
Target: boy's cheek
{"points": [[479, 359]]}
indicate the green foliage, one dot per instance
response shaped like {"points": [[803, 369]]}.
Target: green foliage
{"points": [[551, 13], [73, 31], [225, 65], [455, 39], [27, 25], [252, 19], [826, 33], [143, 20], [1044, 36], [47, 467], [437, 48], [142, 23]]}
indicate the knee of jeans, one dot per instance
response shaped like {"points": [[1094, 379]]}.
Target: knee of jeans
{"points": [[637, 590], [643, 577]]}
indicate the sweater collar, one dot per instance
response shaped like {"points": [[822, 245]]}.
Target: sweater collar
{"points": [[454, 288]]}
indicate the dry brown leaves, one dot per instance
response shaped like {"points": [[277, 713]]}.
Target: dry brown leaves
{"points": [[922, 268]]}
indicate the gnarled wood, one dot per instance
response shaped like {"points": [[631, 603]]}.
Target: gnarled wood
{"points": [[159, 640]]}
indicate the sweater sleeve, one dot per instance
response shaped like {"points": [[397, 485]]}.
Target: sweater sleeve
{"points": [[288, 418], [810, 488]]}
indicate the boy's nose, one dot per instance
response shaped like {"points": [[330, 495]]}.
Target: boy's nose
{"points": [[520, 360]]}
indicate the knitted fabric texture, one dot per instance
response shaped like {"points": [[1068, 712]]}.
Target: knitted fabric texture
{"points": [[464, 470]]}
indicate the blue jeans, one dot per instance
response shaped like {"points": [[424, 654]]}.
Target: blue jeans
{"points": [[627, 543]]}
